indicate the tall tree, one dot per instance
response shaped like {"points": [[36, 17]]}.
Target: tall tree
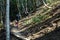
{"points": [[18, 6]]}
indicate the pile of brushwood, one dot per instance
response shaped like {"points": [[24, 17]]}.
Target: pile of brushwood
{"points": [[31, 26], [30, 30]]}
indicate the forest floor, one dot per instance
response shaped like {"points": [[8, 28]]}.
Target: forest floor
{"points": [[54, 35], [45, 30]]}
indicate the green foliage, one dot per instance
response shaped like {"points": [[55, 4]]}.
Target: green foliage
{"points": [[51, 1], [38, 18], [35, 19], [1, 25], [31, 5]]}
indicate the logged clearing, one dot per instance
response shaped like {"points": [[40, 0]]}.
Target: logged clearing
{"points": [[37, 31]]}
